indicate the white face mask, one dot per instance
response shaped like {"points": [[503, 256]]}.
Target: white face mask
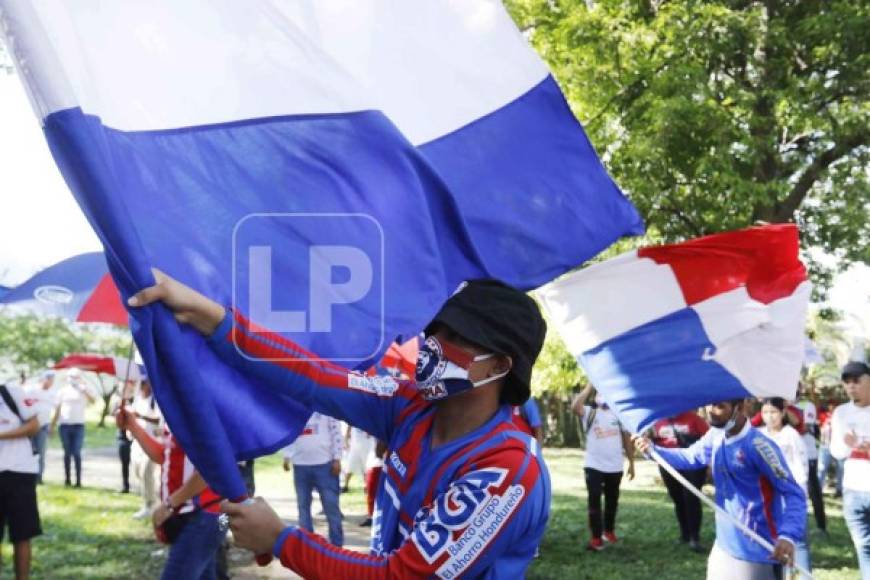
{"points": [[730, 423], [442, 370]]}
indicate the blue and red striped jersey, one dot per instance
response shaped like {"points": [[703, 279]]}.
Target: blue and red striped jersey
{"points": [[474, 507]]}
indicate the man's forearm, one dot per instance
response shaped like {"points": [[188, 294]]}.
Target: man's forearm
{"points": [[152, 448]]}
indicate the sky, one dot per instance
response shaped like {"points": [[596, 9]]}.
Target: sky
{"points": [[40, 222]]}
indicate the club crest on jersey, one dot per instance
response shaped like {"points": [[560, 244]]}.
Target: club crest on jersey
{"points": [[769, 455], [467, 505]]}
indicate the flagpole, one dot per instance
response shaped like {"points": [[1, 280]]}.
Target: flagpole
{"points": [[700, 495]]}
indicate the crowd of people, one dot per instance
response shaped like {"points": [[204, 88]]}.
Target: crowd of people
{"points": [[452, 459]]}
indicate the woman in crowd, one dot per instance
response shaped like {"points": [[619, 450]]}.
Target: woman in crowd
{"points": [[790, 442], [681, 432]]}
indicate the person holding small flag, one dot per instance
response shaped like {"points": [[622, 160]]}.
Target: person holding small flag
{"points": [[753, 485]]}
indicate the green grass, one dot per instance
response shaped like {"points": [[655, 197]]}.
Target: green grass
{"points": [[648, 528], [89, 533]]}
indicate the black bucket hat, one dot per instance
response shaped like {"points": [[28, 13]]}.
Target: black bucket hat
{"points": [[503, 319]]}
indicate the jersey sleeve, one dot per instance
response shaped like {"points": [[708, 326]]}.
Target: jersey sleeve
{"points": [[372, 403], [695, 456], [483, 514], [770, 462], [533, 415]]}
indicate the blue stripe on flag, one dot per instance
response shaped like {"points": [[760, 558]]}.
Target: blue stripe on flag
{"points": [[652, 371], [536, 198]]}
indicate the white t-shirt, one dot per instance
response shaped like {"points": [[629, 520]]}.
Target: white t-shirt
{"points": [[794, 450], [43, 400], [603, 440], [320, 442], [852, 418], [811, 419], [146, 407], [73, 403], [16, 454]]}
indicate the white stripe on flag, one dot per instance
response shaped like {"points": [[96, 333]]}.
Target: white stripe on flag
{"points": [[767, 358], [594, 305], [431, 67]]}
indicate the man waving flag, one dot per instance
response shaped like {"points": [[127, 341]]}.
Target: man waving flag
{"points": [[665, 329], [333, 168]]}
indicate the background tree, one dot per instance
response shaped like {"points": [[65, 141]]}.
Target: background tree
{"points": [[712, 115], [554, 379], [30, 343]]}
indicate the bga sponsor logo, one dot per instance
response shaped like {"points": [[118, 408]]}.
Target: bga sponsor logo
{"points": [[379, 385], [765, 449], [467, 505], [53, 294], [484, 527]]}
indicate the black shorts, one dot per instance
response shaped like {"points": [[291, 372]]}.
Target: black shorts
{"points": [[18, 508]]}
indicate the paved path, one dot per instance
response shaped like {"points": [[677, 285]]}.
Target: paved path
{"points": [[101, 468]]}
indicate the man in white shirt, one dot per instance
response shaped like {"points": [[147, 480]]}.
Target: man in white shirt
{"points": [[316, 459], [148, 417], [18, 469], [850, 440], [42, 396], [359, 444], [605, 443], [73, 399]]}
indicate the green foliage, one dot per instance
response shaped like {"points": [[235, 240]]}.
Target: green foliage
{"points": [[31, 342], [34, 343], [713, 115], [555, 371]]}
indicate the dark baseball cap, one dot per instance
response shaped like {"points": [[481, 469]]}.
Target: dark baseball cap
{"points": [[855, 369], [503, 319]]}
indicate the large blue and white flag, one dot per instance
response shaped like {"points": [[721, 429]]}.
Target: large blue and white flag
{"points": [[334, 168], [665, 329]]}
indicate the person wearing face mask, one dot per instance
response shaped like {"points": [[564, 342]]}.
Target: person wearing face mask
{"points": [[605, 443], [754, 485], [463, 491]]}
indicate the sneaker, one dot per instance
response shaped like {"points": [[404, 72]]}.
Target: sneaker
{"points": [[142, 514], [595, 545], [366, 523], [696, 547], [344, 489], [610, 537]]}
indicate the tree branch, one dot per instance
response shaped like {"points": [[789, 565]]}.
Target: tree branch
{"points": [[785, 210]]}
